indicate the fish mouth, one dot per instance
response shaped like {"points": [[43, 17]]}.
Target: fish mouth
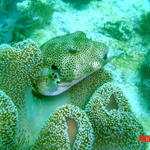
{"points": [[58, 88], [48, 88], [50, 81]]}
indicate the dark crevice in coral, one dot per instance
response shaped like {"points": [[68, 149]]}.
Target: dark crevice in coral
{"points": [[72, 129], [112, 103]]}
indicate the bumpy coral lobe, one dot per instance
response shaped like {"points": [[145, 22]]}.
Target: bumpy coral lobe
{"points": [[20, 64], [74, 55], [114, 123], [8, 122], [55, 134]]}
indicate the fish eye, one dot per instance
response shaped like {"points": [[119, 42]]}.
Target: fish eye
{"points": [[73, 50], [57, 81]]}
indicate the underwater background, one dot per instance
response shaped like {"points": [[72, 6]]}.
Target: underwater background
{"points": [[122, 25]]}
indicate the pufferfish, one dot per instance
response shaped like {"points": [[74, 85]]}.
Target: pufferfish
{"points": [[67, 60]]}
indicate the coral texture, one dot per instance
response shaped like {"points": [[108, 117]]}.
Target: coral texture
{"points": [[68, 128], [8, 122], [115, 125], [20, 64]]}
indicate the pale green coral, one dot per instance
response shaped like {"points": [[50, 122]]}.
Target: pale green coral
{"points": [[20, 63], [115, 125], [81, 92], [8, 122], [56, 134]]}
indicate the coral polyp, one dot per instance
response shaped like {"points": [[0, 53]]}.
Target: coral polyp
{"points": [[68, 128]]}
